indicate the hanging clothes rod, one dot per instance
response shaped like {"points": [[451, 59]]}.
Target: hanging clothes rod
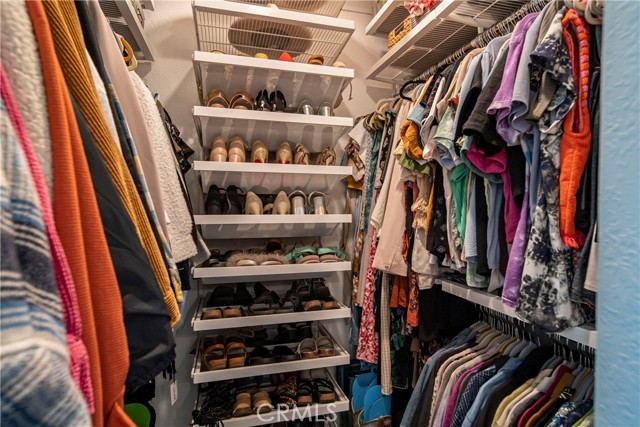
{"points": [[499, 29]]}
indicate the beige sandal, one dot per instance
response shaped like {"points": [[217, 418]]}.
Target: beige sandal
{"points": [[261, 403], [327, 157], [326, 347], [308, 349], [242, 407]]}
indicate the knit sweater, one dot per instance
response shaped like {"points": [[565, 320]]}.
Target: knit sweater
{"points": [[70, 49], [80, 228]]}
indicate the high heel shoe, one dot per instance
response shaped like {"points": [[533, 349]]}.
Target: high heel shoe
{"points": [[253, 204], [218, 150], [277, 101], [259, 152], [236, 151], [282, 204], [216, 203], [284, 154], [235, 200], [302, 155]]}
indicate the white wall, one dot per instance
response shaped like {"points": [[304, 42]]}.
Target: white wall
{"points": [[171, 32]]}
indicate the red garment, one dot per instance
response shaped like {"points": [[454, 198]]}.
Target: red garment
{"points": [[576, 138]]}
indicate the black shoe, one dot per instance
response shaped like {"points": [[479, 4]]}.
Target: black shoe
{"points": [[216, 203], [277, 101], [235, 201], [262, 101]]}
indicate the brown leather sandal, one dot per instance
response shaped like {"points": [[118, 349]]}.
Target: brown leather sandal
{"points": [[213, 313], [308, 349], [217, 99], [231, 312], [242, 101], [214, 357], [326, 347], [236, 355], [242, 407], [312, 305], [261, 402], [330, 305]]}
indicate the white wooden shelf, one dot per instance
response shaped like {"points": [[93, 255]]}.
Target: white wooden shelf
{"points": [[585, 334], [200, 376], [297, 413], [259, 226], [233, 28], [270, 177], [315, 132], [217, 275], [447, 27], [262, 320], [297, 82], [390, 15]]}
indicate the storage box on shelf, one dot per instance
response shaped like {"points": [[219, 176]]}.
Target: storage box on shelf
{"points": [[447, 27], [259, 226], [298, 82], [585, 334], [233, 28], [281, 414], [317, 132], [217, 275], [270, 176], [200, 324]]}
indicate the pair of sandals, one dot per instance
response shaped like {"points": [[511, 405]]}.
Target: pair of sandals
{"points": [[232, 301], [241, 100], [318, 390], [220, 353], [312, 295], [314, 204], [268, 302], [229, 201], [233, 151], [325, 158], [248, 403], [314, 255], [310, 348], [273, 101]]}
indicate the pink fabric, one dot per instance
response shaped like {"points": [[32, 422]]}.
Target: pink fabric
{"points": [[451, 404], [497, 164], [79, 363], [368, 341]]}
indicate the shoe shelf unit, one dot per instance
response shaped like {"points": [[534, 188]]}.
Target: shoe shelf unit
{"points": [[440, 31], [297, 81], [235, 28], [390, 15], [585, 334], [266, 273], [200, 325], [265, 226], [316, 132], [291, 414], [270, 176]]}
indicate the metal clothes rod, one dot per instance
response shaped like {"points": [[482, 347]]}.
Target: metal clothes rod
{"points": [[499, 29]]}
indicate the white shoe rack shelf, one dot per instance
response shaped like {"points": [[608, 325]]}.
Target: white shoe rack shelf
{"points": [[223, 26]]}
